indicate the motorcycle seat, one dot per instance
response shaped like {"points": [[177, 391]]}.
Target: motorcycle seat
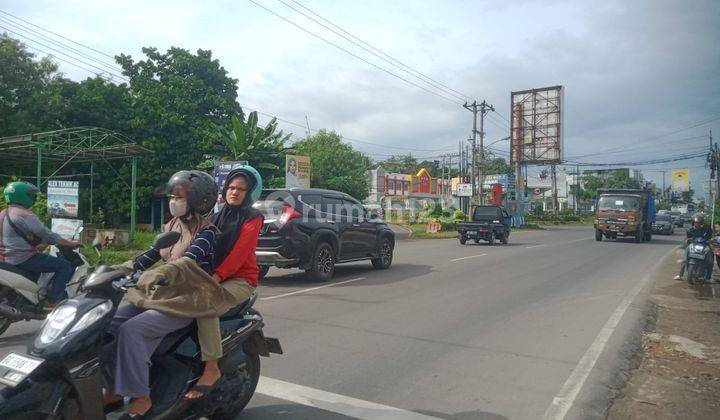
{"points": [[33, 277], [175, 338]]}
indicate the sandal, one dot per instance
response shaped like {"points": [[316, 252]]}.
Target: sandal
{"points": [[204, 390]]}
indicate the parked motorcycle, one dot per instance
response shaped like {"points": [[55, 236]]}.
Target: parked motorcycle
{"points": [[61, 376], [699, 260], [22, 293]]}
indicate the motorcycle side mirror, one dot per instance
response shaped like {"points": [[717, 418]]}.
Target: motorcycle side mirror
{"points": [[166, 239]]}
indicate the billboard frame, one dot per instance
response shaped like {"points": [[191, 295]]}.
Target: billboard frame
{"points": [[544, 148]]}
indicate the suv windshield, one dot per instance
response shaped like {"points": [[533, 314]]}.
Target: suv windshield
{"points": [[619, 203], [662, 218], [486, 212]]}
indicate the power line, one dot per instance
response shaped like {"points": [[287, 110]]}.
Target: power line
{"points": [[641, 163], [371, 49], [56, 34], [28, 39], [354, 55], [623, 149], [62, 59], [48, 39]]}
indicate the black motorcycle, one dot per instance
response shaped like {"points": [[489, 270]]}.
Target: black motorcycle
{"points": [[699, 262], [60, 377]]}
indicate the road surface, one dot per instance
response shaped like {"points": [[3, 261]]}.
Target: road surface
{"points": [[537, 328]]}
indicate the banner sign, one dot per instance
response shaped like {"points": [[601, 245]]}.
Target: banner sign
{"points": [[463, 190], [297, 171], [62, 198], [681, 180]]}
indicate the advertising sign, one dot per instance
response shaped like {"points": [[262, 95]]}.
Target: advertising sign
{"points": [[463, 190], [62, 198], [297, 171], [681, 180], [65, 227], [536, 126]]}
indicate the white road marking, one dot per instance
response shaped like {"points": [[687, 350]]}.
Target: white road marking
{"points": [[335, 403], [297, 292], [564, 400], [535, 246], [577, 240], [471, 256]]}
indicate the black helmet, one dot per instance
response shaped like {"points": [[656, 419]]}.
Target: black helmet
{"points": [[201, 189]]}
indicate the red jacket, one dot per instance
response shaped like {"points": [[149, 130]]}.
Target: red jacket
{"points": [[241, 261]]}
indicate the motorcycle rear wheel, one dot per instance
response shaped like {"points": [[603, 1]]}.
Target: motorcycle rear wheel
{"points": [[241, 382], [692, 273]]}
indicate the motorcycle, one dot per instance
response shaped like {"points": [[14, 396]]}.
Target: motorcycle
{"points": [[22, 293], [699, 260], [60, 377]]}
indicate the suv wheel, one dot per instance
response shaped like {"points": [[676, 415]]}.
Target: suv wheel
{"points": [[385, 258], [323, 263], [263, 271]]}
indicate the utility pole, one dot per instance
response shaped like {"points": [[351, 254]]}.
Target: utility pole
{"points": [[482, 108]]}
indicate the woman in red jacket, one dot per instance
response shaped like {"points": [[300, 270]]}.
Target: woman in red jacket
{"points": [[235, 264]]}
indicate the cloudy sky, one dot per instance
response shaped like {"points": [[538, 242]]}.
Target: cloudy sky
{"points": [[635, 72]]}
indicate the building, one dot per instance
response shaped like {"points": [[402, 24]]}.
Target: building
{"points": [[406, 190]]}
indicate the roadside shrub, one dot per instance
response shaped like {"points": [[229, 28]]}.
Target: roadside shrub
{"points": [[459, 215]]}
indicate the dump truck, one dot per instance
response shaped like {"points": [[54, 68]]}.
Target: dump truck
{"points": [[621, 213]]}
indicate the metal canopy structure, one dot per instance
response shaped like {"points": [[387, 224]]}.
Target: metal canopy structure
{"points": [[73, 145]]}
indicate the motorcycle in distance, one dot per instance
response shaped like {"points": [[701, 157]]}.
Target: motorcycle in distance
{"points": [[22, 292], [699, 262], [60, 377]]}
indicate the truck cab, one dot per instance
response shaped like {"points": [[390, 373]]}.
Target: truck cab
{"points": [[624, 213]]}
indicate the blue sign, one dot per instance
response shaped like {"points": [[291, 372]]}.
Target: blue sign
{"points": [[691, 208]]}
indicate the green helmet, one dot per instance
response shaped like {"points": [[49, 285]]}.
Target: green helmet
{"points": [[254, 178], [21, 193]]}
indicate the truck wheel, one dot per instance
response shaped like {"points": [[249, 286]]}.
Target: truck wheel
{"points": [[462, 240], [491, 239], [649, 237], [639, 236], [323, 263], [598, 235]]}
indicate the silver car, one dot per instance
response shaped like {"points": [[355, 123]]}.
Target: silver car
{"points": [[663, 225]]}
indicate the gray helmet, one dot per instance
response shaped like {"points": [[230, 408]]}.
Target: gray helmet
{"points": [[698, 219], [201, 189]]}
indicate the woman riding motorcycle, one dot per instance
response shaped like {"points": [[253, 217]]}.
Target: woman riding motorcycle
{"points": [[231, 256], [192, 194]]}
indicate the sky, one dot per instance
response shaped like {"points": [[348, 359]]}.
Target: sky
{"points": [[641, 78]]}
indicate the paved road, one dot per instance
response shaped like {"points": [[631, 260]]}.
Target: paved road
{"points": [[452, 331]]}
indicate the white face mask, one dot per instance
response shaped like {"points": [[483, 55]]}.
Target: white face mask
{"points": [[178, 208]]}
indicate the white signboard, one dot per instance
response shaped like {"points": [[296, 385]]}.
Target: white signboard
{"points": [[62, 198], [463, 190]]}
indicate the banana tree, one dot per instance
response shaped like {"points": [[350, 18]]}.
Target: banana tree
{"points": [[262, 147]]}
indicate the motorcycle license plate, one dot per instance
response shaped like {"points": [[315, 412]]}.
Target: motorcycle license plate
{"points": [[15, 367], [472, 232], [698, 256]]}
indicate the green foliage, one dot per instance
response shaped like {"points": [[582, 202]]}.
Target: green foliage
{"points": [[401, 164], [263, 148], [459, 215], [497, 165], [335, 165], [29, 90], [591, 183]]}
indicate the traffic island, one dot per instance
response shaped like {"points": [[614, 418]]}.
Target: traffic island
{"points": [[679, 371]]}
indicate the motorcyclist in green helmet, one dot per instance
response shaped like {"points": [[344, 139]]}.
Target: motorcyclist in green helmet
{"points": [[22, 233]]}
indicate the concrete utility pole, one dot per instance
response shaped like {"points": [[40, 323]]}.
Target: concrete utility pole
{"points": [[482, 108]]}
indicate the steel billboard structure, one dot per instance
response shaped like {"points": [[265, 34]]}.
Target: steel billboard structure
{"points": [[536, 126]]}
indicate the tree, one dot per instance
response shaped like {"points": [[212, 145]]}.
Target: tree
{"points": [[497, 165], [263, 148], [401, 164], [335, 165], [28, 90]]}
